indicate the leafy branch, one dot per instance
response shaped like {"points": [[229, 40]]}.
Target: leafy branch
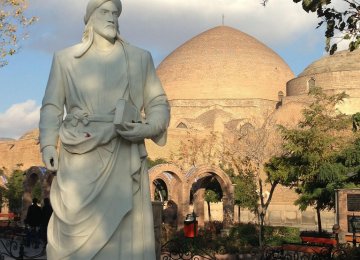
{"points": [[13, 22], [340, 24]]}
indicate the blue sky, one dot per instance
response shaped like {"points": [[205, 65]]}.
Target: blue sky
{"points": [[159, 26]]}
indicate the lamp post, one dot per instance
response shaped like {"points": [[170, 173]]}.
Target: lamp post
{"points": [[353, 228]]}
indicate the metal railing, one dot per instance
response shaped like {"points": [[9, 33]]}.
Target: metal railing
{"points": [[19, 242]]}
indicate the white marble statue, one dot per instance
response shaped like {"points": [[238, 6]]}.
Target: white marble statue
{"points": [[113, 101]]}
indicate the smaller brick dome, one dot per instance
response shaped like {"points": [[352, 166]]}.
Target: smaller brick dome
{"points": [[33, 134], [340, 61], [338, 72]]}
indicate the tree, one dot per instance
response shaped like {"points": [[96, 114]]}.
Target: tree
{"points": [[197, 149], [340, 24], [13, 23], [350, 158], [14, 191], [245, 195], [211, 196], [213, 193], [312, 151], [248, 150]]}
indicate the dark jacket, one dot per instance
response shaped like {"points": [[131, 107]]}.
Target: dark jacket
{"points": [[33, 216]]}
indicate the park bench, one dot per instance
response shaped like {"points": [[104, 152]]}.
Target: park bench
{"points": [[7, 216], [349, 239], [309, 248]]}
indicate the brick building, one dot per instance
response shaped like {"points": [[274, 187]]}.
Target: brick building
{"points": [[220, 82]]}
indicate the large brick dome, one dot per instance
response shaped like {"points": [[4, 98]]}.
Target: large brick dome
{"points": [[223, 63]]}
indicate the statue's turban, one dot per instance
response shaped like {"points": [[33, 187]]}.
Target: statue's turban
{"points": [[94, 4]]}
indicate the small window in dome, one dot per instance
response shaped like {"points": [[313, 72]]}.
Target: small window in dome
{"points": [[181, 125], [280, 95], [311, 84]]}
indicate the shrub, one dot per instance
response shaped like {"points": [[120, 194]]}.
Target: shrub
{"points": [[242, 238], [275, 236]]}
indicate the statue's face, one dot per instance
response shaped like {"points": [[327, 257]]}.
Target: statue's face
{"points": [[105, 20]]}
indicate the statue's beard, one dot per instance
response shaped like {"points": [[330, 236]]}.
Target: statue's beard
{"points": [[88, 38], [110, 32]]}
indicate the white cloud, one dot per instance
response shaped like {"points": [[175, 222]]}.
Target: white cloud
{"points": [[162, 25], [19, 118]]}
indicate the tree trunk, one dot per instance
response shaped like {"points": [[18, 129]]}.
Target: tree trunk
{"points": [[261, 230], [239, 214], [209, 211], [319, 220]]}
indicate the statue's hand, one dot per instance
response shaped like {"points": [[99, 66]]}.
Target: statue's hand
{"points": [[136, 132], [50, 158]]}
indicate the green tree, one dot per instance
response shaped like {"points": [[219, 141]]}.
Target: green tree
{"points": [[37, 191], [350, 158], [14, 191], [340, 23], [245, 195], [210, 197], [312, 151], [213, 193], [13, 23], [247, 151]]}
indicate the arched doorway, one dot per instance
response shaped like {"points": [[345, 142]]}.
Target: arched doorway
{"points": [[182, 186], [34, 175], [169, 179], [198, 179], [161, 190]]}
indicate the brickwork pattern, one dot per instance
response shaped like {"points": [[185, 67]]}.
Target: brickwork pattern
{"points": [[343, 212], [223, 63]]}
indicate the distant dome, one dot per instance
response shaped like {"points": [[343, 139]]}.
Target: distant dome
{"points": [[338, 72], [33, 134], [223, 63], [340, 61]]}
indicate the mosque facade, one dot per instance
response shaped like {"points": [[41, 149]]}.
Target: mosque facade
{"points": [[220, 83]]}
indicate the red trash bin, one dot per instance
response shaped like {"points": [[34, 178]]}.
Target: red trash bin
{"points": [[190, 226]]}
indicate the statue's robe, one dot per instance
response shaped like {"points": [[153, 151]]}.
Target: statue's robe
{"points": [[101, 195]]}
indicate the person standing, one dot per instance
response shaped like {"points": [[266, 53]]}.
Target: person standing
{"points": [[113, 100], [33, 220], [33, 216], [46, 212]]}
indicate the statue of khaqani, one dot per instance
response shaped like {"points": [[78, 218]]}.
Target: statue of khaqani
{"points": [[101, 194]]}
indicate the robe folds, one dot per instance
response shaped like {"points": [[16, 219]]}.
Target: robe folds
{"points": [[100, 195]]}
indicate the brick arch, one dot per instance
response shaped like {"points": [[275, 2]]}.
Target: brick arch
{"points": [[198, 174], [33, 175], [175, 186], [157, 172]]}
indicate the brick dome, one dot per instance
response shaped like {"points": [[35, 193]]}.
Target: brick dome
{"points": [[340, 61], [338, 72], [223, 63]]}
